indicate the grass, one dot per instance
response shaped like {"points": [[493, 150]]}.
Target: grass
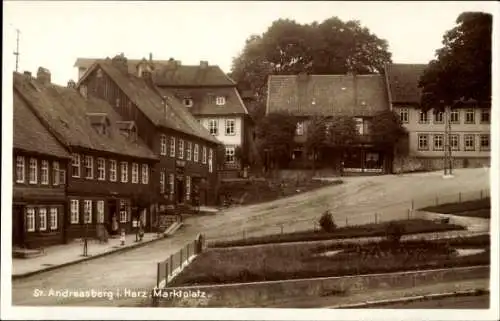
{"points": [[477, 208], [292, 261], [412, 226]]}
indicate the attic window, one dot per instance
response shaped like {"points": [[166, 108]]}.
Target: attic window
{"points": [[127, 129], [188, 102], [100, 122], [83, 91], [145, 74], [220, 100], [99, 73]]}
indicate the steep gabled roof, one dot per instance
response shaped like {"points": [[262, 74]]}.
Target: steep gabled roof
{"points": [[204, 100], [403, 82], [306, 95], [150, 101], [65, 111], [30, 135]]}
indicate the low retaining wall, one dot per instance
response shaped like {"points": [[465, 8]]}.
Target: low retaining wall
{"points": [[412, 164], [259, 293]]}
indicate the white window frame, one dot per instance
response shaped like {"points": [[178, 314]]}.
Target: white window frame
{"points": [[438, 117], [113, 170], [30, 219], [423, 117], [162, 182], [145, 174], [87, 211], [135, 173], [455, 138], [54, 217], [470, 112], [62, 177], [33, 171], [213, 126], [20, 169], [56, 173], [100, 212], [230, 151], [485, 111], [42, 215], [420, 139], [124, 172], [101, 169], [220, 100], [89, 167], [204, 155], [228, 126], [210, 160], [172, 146], [44, 172], [188, 102], [438, 138], [188, 150], [404, 115], [171, 183], [74, 211], [163, 145], [188, 188], [488, 138], [123, 213], [181, 149], [75, 165], [467, 139], [299, 128], [196, 153], [455, 113]]}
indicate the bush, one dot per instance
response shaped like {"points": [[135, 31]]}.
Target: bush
{"points": [[394, 232], [326, 222]]}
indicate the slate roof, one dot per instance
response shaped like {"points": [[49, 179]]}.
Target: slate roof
{"points": [[204, 100], [328, 95], [403, 82], [65, 111], [150, 102], [30, 135]]}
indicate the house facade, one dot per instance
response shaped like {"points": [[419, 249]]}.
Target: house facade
{"points": [[186, 173], [108, 178], [469, 136], [358, 97], [39, 179]]}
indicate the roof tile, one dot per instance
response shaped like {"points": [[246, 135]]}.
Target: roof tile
{"points": [[403, 82]]}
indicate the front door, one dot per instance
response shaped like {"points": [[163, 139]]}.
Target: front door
{"points": [[17, 225], [180, 190]]}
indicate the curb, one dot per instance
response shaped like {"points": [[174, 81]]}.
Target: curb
{"points": [[55, 267], [433, 296]]}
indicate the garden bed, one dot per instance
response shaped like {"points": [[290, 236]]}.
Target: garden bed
{"points": [[413, 226], [296, 261], [477, 208]]}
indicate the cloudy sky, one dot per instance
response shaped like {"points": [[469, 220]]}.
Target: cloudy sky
{"points": [[55, 33]]}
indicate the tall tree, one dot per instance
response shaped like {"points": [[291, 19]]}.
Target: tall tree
{"points": [[316, 136], [462, 68], [387, 129]]}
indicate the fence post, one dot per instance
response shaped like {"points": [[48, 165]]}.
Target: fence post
{"points": [[187, 248], [437, 201], [158, 267], [180, 264], [409, 214], [171, 263], [375, 218], [243, 234], [412, 205], [481, 194], [166, 273], [346, 221], [460, 197]]}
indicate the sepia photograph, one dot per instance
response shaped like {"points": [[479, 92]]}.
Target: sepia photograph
{"points": [[260, 160]]}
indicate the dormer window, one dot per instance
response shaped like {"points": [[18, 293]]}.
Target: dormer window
{"points": [[220, 100], [188, 102], [145, 74], [127, 129], [83, 91], [100, 122]]}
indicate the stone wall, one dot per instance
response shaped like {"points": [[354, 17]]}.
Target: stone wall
{"points": [[413, 164]]}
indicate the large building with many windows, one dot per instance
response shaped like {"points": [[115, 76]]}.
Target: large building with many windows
{"points": [[469, 135]]}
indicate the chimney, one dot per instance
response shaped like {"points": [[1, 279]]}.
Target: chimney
{"points": [[120, 61], [172, 63], [150, 57], [27, 74], [71, 84], [203, 64], [43, 76]]}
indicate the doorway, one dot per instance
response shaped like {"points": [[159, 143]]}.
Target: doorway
{"points": [[109, 220], [17, 225], [180, 190]]}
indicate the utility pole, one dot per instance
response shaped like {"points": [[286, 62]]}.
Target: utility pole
{"points": [[16, 53]]}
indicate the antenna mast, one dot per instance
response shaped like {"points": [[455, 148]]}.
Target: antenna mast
{"points": [[16, 53]]}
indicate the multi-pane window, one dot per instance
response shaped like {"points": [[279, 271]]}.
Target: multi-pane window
{"points": [[163, 145], [181, 149], [485, 115], [89, 167], [171, 183], [469, 143], [423, 142], [30, 219], [210, 160], [75, 211], [455, 116], [484, 141], [33, 173], [44, 172], [220, 100], [101, 169], [213, 127], [204, 155], [438, 117], [230, 152], [188, 150], [230, 127], [123, 172], [188, 188], [100, 211], [162, 182], [135, 173], [20, 169], [53, 218], [454, 142], [42, 216], [75, 165], [112, 170], [196, 152], [87, 211], [404, 115], [469, 116], [56, 174], [172, 146], [438, 142], [423, 117], [123, 211], [145, 174], [299, 128], [63, 176]]}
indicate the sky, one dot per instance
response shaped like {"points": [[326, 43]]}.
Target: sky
{"points": [[54, 33]]}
